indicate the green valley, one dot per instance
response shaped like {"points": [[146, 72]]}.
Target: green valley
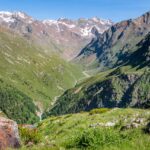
{"points": [[29, 69], [76, 84]]}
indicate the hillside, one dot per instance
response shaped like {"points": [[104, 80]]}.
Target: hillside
{"points": [[16, 105], [107, 129], [24, 66], [125, 86]]}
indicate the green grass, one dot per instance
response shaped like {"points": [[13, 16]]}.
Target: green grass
{"points": [[80, 131]]}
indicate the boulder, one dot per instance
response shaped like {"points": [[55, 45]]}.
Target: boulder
{"points": [[9, 135]]}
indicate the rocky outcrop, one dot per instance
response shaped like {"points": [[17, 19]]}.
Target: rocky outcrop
{"points": [[9, 135]]}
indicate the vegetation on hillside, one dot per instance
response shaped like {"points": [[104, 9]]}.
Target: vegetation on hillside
{"points": [[124, 86], [36, 73], [40, 75], [16, 105]]}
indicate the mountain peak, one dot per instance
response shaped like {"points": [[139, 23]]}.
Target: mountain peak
{"points": [[9, 17], [96, 19]]}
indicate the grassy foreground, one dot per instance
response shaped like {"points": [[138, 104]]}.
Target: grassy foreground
{"points": [[104, 129]]}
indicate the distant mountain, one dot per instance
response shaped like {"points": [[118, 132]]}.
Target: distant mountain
{"points": [[63, 35], [115, 44]]}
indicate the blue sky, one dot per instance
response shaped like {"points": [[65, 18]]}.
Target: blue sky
{"points": [[115, 10]]}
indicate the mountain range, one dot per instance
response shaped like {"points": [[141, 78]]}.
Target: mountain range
{"points": [[63, 35], [44, 65], [109, 49]]}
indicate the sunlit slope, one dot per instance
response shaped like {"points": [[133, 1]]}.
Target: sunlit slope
{"points": [[29, 69], [107, 129]]}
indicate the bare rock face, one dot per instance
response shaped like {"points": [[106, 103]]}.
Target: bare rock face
{"points": [[9, 135]]}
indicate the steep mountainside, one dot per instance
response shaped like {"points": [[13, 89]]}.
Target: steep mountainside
{"points": [[16, 105], [125, 86], [115, 44], [64, 36]]}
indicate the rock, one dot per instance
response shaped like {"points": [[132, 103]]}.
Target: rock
{"points": [[30, 144], [135, 125], [140, 120], [107, 124], [9, 135], [110, 124]]}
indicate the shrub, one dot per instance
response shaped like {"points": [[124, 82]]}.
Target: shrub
{"points": [[29, 135], [94, 138], [147, 128], [98, 111]]}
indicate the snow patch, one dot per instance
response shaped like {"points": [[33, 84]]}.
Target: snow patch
{"points": [[57, 23], [95, 19], [86, 31], [21, 15], [6, 16], [49, 22], [5, 13], [68, 25]]}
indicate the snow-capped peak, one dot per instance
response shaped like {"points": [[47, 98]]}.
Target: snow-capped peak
{"points": [[6, 16], [5, 13], [96, 19], [21, 15], [49, 22], [9, 17], [82, 26], [59, 22]]}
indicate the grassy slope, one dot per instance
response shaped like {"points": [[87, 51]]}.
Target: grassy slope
{"points": [[75, 131], [28, 68]]}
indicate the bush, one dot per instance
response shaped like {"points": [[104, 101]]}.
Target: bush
{"points": [[98, 111], [29, 135], [94, 138], [147, 128]]}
